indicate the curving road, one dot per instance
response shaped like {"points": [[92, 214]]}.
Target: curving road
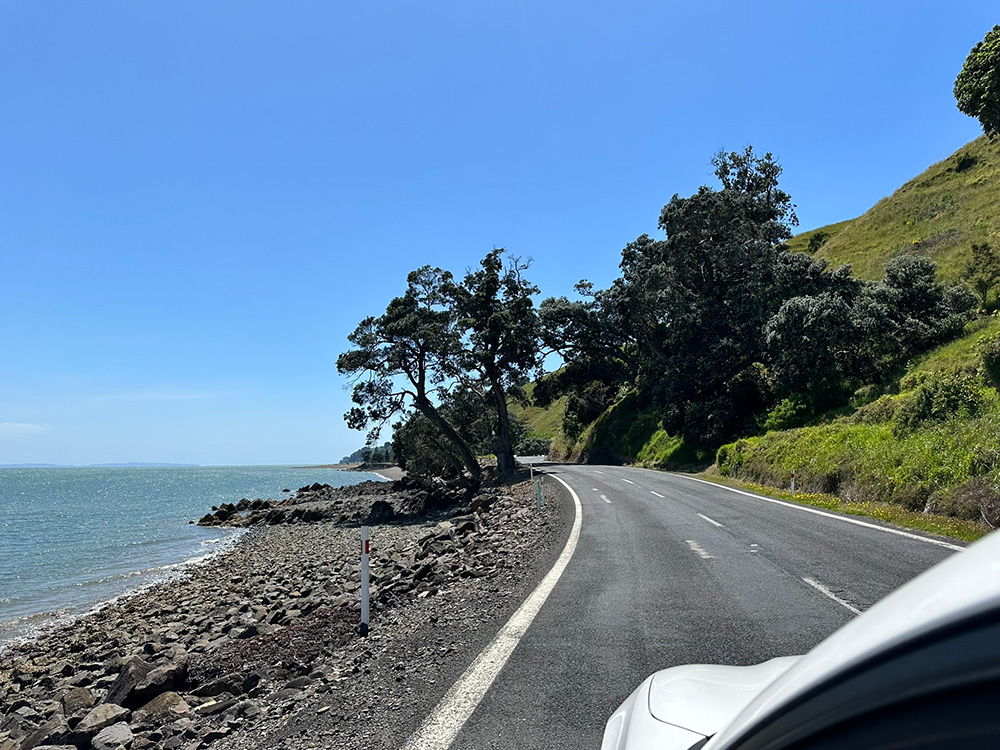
{"points": [[671, 570]]}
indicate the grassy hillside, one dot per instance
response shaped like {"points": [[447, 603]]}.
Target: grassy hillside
{"points": [[542, 423], [938, 214]]}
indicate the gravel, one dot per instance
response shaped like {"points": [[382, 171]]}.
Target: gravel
{"points": [[259, 647]]}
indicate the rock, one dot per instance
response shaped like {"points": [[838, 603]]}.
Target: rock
{"points": [[122, 689], [103, 716], [77, 699], [111, 738], [51, 732], [230, 683], [168, 677], [299, 682], [223, 704], [381, 512], [164, 706]]}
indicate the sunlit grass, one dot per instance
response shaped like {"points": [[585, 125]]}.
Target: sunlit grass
{"points": [[955, 528]]}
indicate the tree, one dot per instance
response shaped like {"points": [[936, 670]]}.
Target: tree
{"points": [[809, 342], [977, 87], [408, 356], [499, 324], [983, 271]]}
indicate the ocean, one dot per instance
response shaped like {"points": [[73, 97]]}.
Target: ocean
{"points": [[72, 538]]}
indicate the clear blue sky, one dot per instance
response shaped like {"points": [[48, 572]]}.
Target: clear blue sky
{"points": [[200, 200]]}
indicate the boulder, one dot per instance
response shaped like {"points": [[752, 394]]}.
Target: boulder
{"points": [[172, 676], [77, 699], [51, 732], [123, 688], [111, 738], [164, 706], [103, 716]]}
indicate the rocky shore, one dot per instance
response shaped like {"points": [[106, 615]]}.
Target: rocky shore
{"points": [[259, 647]]}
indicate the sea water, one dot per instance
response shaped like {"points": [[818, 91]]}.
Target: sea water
{"points": [[75, 537]]}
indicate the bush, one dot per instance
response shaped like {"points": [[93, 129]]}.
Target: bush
{"points": [[791, 412], [989, 354], [533, 446], [938, 396]]}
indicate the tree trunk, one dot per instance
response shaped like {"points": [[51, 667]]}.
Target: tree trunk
{"points": [[425, 407], [501, 435]]}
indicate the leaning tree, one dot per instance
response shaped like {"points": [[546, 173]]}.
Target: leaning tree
{"points": [[409, 356]]}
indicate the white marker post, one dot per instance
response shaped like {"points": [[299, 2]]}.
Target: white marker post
{"points": [[793, 484], [365, 549]]}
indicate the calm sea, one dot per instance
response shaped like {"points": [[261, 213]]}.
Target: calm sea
{"points": [[73, 538]]}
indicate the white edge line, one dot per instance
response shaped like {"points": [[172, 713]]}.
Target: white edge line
{"points": [[826, 592], [657, 494], [806, 509], [698, 549], [626, 480], [714, 523], [439, 729]]}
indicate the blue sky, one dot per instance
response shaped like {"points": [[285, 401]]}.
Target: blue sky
{"points": [[199, 201]]}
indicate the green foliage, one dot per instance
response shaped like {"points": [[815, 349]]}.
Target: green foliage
{"points": [[816, 240], [938, 215], [977, 87], [938, 396], [983, 271], [533, 446], [989, 353], [789, 413]]}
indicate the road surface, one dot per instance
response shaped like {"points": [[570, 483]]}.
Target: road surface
{"points": [[669, 570]]}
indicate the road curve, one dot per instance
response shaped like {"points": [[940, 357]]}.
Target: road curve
{"points": [[672, 571]]}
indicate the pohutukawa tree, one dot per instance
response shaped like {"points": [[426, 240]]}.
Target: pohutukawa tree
{"points": [[977, 88], [409, 357], [499, 325]]}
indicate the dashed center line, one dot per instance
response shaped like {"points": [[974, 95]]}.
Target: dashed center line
{"points": [[605, 499], [626, 480], [698, 549], [600, 472], [711, 521], [657, 494], [826, 592]]}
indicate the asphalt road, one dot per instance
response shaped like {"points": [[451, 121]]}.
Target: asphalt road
{"points": [[672, 571]]}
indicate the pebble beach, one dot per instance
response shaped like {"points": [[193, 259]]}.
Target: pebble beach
{"points": [[259, 646]]}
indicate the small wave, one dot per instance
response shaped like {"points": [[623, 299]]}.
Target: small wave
{"points": [[210, 541]]}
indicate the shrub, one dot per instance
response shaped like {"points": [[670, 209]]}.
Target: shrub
{"points": [[938, 396], [791, 412], [989, 353], [533, 446]]}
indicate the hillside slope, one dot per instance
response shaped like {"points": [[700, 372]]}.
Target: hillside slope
{"points": [[938, 214]]}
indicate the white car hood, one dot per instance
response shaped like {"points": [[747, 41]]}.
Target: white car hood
{"points": [[704, 698]]}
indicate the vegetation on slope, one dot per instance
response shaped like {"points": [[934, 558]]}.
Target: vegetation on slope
{"points": [[938, 215], [932, 446]]}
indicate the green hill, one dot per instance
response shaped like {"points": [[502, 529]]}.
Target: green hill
{"points": [[541, 423], [938, 214]]}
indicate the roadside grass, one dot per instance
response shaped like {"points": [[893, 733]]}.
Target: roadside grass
{"points": [[938, 214], [932, 523]]}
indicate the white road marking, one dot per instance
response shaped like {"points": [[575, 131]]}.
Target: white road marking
{"points": [[807, 509], [657, 494], [714, 523], [443, 723], [600, 472], [826, 592], [626, 480], [605, 499], [698, 549], [596, 490]]}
